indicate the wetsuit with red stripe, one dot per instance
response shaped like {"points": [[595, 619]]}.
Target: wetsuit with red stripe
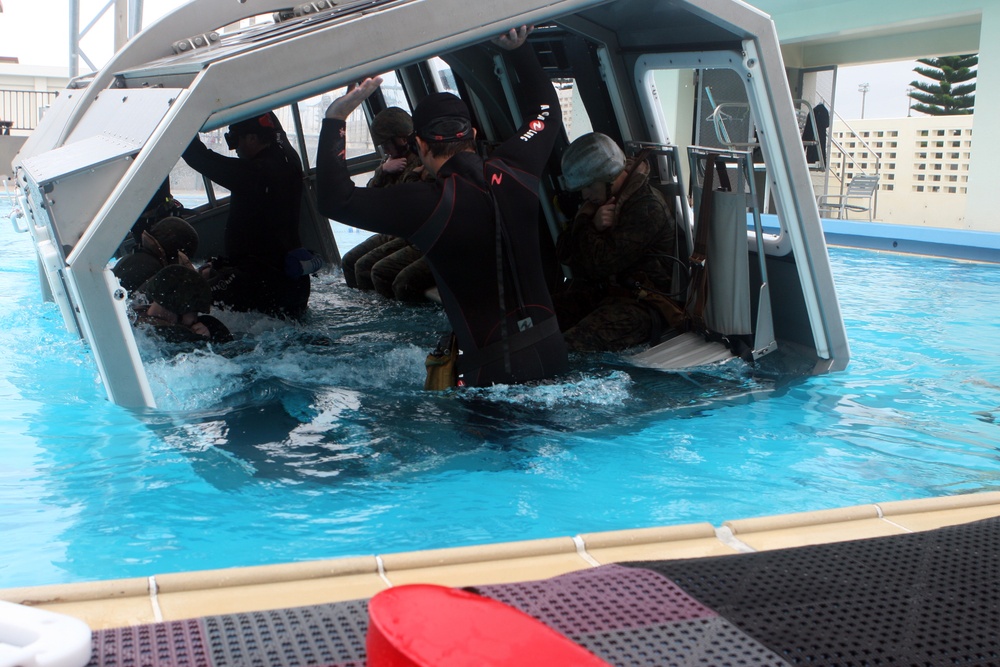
{"points": [[452, 221]]}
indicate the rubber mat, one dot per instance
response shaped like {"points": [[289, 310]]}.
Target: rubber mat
{"points": [[930, 598]]}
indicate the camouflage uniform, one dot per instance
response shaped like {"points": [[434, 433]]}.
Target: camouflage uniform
{"points": [[620, 273]]}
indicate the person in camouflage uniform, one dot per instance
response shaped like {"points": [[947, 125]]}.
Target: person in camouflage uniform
{"points": [[386, 263], [619, 246]]}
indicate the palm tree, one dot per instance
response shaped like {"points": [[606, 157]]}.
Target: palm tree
{"points": [[944, 98]]}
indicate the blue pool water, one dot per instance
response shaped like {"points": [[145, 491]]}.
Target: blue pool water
{"points": [[315, 441]]}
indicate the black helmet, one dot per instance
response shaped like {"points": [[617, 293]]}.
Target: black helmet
{"points": [[266, 126], [175, 235], [442, 117], [180, 290], [135, 269]]}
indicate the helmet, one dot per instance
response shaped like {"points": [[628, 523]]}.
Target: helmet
{"points": [[442, 117], [592, 158], [265, 126], [175, 234], [135, 269], [180, 290], [389, 123]]}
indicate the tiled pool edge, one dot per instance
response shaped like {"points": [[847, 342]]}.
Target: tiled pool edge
{"points": [[175, 596], [962, 244]]}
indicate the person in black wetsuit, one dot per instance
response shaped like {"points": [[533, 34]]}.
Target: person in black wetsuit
{"points": [[262, 231], [506, 330]]}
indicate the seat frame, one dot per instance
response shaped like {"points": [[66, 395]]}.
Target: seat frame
{"points": [[862, 188]]}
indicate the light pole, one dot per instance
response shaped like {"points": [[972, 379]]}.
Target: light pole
{"points": [[863, 89], [909, 101]]}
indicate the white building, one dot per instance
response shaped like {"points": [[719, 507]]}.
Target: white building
{"points": [[923, 165]]}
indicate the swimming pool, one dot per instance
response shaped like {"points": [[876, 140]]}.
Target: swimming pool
{"points": [[315, 441]]}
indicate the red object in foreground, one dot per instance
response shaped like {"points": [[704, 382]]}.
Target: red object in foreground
{"points": [[423, 625]]}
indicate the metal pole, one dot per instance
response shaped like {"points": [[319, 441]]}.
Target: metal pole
{"points": [[74, 38], [134, 18], [121, 24]]}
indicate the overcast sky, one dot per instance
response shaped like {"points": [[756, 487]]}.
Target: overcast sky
{"points": [[37, 33]]}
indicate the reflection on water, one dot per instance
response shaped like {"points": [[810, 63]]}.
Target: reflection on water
{"points": [[315, 440]]}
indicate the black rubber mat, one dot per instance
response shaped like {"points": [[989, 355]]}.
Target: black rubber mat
{"points": [[929, 599]]}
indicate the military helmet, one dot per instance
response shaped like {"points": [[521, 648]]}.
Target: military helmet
{"points": [[389, 123], [135, 269], [175, 235], [592, 158], [180, 290]]}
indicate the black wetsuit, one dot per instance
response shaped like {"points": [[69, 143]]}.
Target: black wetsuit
{"points": [[452, 221], [262, 228]]}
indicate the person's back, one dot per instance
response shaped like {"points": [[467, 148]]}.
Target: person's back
{"points": [[452, 222]]}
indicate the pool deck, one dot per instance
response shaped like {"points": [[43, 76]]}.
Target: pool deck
{"points": [[175, 596]]}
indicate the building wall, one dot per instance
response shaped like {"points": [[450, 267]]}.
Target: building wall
{"points": [[25, 92], [924, 164]]}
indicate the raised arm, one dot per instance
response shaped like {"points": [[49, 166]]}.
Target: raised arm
{"points": [[542, 116], [398, 210]]}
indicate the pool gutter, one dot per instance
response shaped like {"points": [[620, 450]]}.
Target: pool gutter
{"points": [[175, 596], [963, 244]]}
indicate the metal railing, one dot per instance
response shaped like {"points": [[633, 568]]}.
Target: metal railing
{"points": [[22, 109]]}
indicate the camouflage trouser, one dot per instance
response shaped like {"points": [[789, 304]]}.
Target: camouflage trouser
{"points": [[363, 267], [352, 256], [595, 323], [403, 275]]}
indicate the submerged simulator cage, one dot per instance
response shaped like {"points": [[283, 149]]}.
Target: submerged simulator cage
{"points": [[103, 149]]}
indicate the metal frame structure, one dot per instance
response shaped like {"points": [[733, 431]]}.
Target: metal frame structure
{"points": [[112, 137]]}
